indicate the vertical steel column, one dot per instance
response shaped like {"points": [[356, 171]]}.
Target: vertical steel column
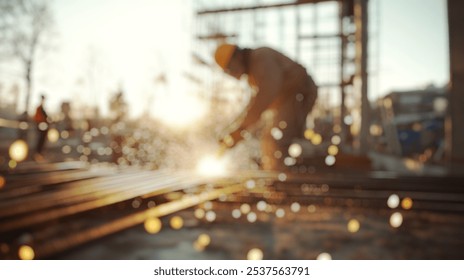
{"points": [[342, 73], [455, 121], [360, 14]]}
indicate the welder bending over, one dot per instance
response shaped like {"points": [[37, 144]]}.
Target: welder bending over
{"points": [[280, 85]]}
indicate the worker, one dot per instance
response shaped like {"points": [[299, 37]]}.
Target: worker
{"points": [[282, 87], [42, 124]]}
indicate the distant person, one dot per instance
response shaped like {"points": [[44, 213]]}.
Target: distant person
{"points": [[66, 122], [42, 123], [118, 108], [281, 85]]}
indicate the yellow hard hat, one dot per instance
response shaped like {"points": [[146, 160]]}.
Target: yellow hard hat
{"points": [[223, 54]]}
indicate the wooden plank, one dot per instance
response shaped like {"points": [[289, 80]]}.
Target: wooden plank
{"points": [[60, 244]]}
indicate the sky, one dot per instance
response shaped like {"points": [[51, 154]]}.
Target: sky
{"points": [[414, 44], [113, 45], [102, 46]]}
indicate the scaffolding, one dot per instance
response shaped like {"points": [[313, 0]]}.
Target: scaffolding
{"points": [[328, 37]]}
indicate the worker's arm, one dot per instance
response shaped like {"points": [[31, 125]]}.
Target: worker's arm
{"points": [[267, 74]]}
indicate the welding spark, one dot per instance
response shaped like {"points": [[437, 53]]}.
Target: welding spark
{"points": [[212, 166]]}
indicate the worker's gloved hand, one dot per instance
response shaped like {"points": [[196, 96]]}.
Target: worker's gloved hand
{"points": [[224, 144]]}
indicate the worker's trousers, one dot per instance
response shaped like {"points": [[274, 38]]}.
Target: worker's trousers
{"points": [[288, 123]]}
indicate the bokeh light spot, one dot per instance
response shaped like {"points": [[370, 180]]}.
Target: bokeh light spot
{"points": [[353, 225], [336, 140], [210, 216], [324, 257], [406, 203], [252, 217], [396, 219], [250, 184], [289, 161], [332, 150], [255, 254], [393, 201], [18, 150], [53, 135], [295, 150], [26, 252], [276, 133], [66, 149], [280, 213], [245, 208], [316, 139], [208, 205], [43, 126], [295, 207], [136, 203], [12, 164], [199, 213], [64, 134], [261, 205], [176, 222], [308, 134], [311, 208], [236, 213], [330, 160], [153, 225], [204, 240], [23, 125]]}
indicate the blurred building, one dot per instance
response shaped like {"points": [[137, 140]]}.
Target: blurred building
{"points": [[413, 121]]}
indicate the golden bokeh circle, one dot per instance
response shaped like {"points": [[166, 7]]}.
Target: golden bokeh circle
{"points": [[255, 254], [26, 252], [153, 225], [176, 222]]}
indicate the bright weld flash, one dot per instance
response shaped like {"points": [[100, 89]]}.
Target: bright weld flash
{"points": [[212, 166]]}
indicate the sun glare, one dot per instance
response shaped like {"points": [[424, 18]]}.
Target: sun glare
{"points": [[212, 166], [179, 111]]}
